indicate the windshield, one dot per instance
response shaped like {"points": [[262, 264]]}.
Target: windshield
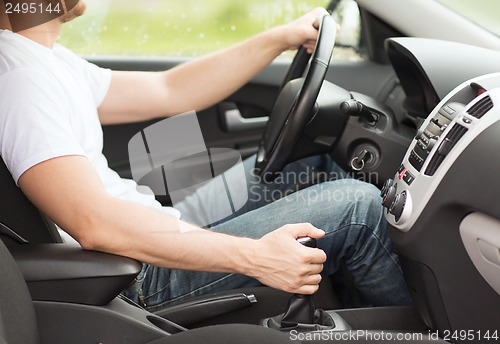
{"points": [[482, 12]]}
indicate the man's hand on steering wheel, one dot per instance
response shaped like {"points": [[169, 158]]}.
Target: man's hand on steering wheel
{"points": [[302, 31]]}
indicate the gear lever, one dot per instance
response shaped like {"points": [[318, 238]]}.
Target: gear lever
{"points": [[301, 313], [300, 308]]}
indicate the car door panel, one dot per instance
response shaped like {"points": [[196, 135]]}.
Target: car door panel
{"points": [[253, 102]]}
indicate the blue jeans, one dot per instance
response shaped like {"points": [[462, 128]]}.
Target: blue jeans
{"points": [[348, 210]]}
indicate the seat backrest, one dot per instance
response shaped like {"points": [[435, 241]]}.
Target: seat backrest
{"points": [[18, 324], [20, 221]]}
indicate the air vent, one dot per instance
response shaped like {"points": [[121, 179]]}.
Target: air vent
{"points": [[454, 135], [480, 109]]}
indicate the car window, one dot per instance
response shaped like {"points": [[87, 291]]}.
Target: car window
{"points": [[482, 12], [349, 35], [181, 28]]}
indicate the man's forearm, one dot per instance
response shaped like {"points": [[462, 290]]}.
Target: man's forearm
{"points": [[192, 86], [276, 260], [78, 203], [124, 228], [206, 81], [201, 83]]}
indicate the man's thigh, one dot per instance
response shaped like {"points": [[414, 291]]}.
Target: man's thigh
{"points": [[327, 205], [206, 202]]}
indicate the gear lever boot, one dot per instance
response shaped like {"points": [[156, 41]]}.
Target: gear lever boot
{"points": [[300, 310], [301, 316]]}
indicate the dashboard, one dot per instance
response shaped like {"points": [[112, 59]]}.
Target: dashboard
{"points": [[443, 137], [428, 69], [442, 201]]}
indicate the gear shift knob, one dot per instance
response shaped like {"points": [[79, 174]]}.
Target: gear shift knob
{"points": [[308, 242]]}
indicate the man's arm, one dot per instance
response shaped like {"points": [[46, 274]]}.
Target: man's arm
{"points": [[196, 85], [77, 202]]}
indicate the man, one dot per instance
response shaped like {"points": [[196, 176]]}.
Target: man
{"points": [[52, 106]]}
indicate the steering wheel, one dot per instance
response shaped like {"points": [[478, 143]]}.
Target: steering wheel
{"points": [[296, 103]]}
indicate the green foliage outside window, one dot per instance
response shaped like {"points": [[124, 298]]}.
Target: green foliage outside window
{"points": [[175, 27]]}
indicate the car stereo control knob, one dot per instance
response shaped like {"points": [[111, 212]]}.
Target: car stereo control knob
{"points": [[386, 187], [398, 205], [390, 196]]}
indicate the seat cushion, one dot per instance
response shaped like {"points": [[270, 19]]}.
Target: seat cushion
{"points": [[18, 324]]}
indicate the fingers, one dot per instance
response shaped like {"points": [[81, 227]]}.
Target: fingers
{"points": [[316, 23], [310, 287], [313, 280], [305, 230], [315, 269], [307, 285], [310, 46], [304, 30], [308, 255], [289, 265], [307, 290], [312, 259], [319, 12]]}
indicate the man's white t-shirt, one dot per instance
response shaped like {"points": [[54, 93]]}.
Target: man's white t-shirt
{"points": [[48, 108]]}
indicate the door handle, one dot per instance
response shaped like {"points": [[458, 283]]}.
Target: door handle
{"points": [[236, 122]]}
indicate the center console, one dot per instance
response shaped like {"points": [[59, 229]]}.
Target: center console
{"points": [[444, 215]]}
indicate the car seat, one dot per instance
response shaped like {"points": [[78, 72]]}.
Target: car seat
{"points": [[20, 221], [18, 319]]}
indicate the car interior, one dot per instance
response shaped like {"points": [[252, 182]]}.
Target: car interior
{"points": [[419, 118]]}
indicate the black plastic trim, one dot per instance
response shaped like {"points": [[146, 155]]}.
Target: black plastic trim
{"points": [[193, 312], [481, 108], [5, 230], [455, 134]]}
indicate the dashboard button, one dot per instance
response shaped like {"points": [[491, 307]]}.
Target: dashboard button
{"points": [[416, 161], [431, 144], [408, 178], [449, 110]]}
